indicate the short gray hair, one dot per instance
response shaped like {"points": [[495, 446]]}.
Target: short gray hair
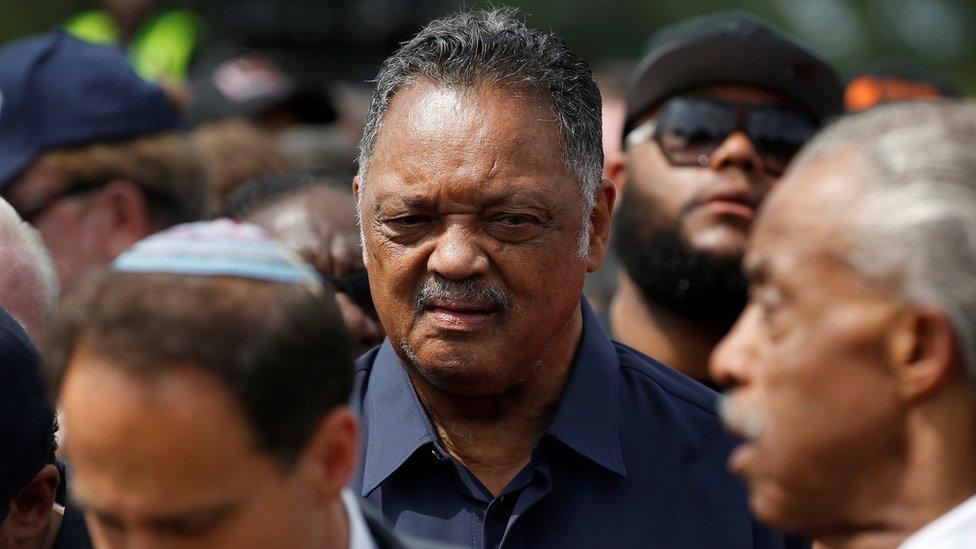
{"points": [[19, 235], [473, 48], [915, 221]]}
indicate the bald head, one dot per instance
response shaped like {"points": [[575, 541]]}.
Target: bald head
{"points": [[28, 280]]}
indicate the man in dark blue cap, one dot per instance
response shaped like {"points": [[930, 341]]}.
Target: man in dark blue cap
{"points": [[32, 483], [715, 111], [90, 153]]}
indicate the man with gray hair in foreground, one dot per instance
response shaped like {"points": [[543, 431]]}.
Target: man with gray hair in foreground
{"points": [[497, 413], [28, 280], [855, 359]]}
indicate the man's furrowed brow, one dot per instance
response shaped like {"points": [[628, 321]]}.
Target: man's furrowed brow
{"points": [[394, 200]]}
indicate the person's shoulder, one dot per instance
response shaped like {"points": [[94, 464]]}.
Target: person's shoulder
{"points": [[647, 374]]}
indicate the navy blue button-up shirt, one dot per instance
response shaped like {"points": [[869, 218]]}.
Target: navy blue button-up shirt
{"points": [[634, 457]]}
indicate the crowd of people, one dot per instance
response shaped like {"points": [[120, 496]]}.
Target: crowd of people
{"points": [[745, 319]]}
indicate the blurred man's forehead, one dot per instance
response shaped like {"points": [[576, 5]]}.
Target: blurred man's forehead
{"points": [[808, 217]]}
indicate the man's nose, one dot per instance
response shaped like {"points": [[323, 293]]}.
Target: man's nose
{"points": [[737, 151], [733, 360], [457, 254]]}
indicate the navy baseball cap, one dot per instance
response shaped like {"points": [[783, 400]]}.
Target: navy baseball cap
{"points": [[26, 413], [58, 91], [731, 48]]}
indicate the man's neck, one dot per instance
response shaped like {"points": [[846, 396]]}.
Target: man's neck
{"points": [[938, 474], [493, 436], [337, 525], [680, 344]]}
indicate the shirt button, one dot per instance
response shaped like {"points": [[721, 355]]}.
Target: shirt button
{"points": [[500, 508]]}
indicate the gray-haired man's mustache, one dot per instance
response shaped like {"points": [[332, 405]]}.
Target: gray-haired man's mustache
{"points": [[469, 289]]}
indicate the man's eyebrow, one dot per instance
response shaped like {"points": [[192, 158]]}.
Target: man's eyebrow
{"points": [[201, 514]]}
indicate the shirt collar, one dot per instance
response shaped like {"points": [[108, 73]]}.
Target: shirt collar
{"points": [[396, 422], [958, 526], [586, 420]]}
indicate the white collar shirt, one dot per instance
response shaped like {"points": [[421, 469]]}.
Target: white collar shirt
{"points": [[953, 530], [359, 536]]}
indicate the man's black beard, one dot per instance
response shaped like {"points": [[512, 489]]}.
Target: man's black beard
{"points": [[700, 287]]}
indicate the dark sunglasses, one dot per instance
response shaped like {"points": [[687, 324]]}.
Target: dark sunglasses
{"points": [[689, 130], [31, 210]]}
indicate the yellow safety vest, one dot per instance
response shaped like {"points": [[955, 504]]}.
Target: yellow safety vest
{"points": [[162, 48]]}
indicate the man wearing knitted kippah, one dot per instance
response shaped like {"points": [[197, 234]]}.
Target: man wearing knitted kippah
{"points": [[204, 379]]}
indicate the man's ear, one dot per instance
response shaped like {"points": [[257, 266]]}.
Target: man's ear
{"points": [[30, 509], [356, 184], [123, 217], [616, 170], [924, 350], [332, 453], [600, 221]]}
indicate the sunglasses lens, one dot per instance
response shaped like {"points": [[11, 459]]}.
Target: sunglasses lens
{"points": [[689, 128], [778, 135]]}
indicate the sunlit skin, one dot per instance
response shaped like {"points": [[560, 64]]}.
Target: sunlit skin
{"points": [[713, 207], [840, 376], [168, 461], [471, 184]]}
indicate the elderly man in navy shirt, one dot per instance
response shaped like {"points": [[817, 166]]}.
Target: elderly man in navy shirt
{"points": [[497, 413]]}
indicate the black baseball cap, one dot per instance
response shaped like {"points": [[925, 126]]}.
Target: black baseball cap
{"points": [[736, 48], [26, 413], [235, 82], [58, 91]]}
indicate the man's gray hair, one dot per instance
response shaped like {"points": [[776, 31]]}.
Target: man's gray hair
{"points": [[17, 234], [474, 48], [915, 222]]}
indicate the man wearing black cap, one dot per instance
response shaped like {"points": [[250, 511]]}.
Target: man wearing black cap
{"points": [[32, 482], [715, 112], [89, 151]]}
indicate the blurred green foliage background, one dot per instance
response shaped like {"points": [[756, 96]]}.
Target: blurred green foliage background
{"points": [[854, 34]]}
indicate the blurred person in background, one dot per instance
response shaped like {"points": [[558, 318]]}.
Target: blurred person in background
{"points": [[34, 508], [715, 112], [896, 80], [854, 363], [28, 279], [161, 44], [237, 151], [497, 413], [204, 378], [92, 153], [291, 104], [313, 213]]}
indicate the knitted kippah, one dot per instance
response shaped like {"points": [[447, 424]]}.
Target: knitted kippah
{"points": [[217, 248]]}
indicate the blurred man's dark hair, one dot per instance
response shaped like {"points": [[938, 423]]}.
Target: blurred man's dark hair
{"points": [[280, 350]]}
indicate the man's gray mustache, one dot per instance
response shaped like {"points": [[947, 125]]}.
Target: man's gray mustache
{"points": [[469, 290]]}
